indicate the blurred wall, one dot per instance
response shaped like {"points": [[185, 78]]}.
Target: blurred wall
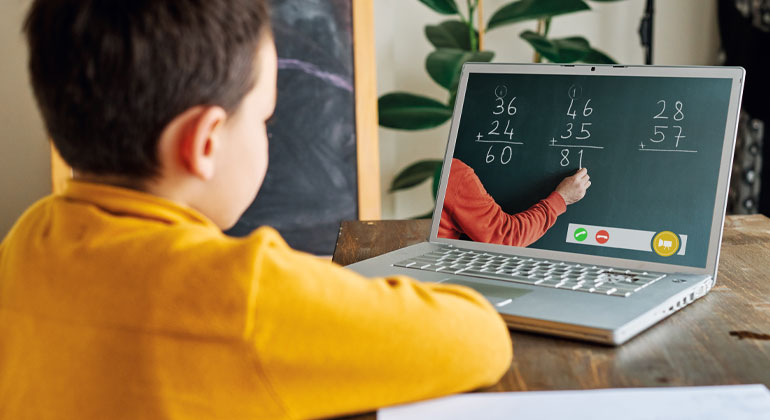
{"points": [[24, 155]]}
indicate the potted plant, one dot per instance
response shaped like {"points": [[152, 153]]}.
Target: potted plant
{"points": [[459, 40]]}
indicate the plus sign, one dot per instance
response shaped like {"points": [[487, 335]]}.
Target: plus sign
{"points": [[553, 141], [478, 137], [641, 145]]}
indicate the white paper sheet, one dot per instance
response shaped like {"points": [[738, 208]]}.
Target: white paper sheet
{"points": [[736, 402]]}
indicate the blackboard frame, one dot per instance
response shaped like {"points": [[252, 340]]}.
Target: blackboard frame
{"points": [[367, 126]]}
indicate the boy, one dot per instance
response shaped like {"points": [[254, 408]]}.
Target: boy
{"points": [[469, 209], [122, 299]]}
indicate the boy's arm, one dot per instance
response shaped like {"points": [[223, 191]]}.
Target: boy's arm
{"points": [[331, 342], [483, 220]]}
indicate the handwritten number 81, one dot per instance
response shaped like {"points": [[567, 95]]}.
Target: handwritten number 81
{"points": [[565, 158]]}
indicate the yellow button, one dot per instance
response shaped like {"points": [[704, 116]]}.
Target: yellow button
{"points": [[665, 243]]}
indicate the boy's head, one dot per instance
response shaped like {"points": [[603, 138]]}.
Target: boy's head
{"points": [[168, 96]]}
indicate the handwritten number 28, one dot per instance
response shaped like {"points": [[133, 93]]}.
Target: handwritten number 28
{"points": [[678, 115]]}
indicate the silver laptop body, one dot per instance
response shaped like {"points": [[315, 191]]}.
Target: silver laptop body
{"points": [[599, 317]]}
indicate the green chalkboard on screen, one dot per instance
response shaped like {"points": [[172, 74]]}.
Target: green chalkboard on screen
{"points": [[652, 146]]}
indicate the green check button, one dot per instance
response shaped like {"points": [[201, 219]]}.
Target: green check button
{"points": [[581, 234]]}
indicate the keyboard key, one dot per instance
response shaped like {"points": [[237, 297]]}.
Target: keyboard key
{"points": [[492, 275], [548, 282], [604, 289], [405, 263]]}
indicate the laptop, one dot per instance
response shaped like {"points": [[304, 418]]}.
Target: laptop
{"points": [[642, 243]]}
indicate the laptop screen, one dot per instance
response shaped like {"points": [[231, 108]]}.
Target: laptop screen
{"points": [[652, 147]]}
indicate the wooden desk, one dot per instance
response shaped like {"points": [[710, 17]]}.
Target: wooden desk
{"points": [[723, 338]]}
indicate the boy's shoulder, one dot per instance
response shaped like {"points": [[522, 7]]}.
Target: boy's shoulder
{"points": [[101, 254]]}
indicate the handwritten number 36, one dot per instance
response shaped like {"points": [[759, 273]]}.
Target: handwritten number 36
{"points": [[500, 108]]}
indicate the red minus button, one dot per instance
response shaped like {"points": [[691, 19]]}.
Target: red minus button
{"points": [[602, 236]]}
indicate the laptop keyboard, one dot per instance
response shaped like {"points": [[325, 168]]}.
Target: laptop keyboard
{"points": [[555, 274]]}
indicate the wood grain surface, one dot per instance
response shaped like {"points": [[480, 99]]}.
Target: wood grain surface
{"points": [[722, 338]]}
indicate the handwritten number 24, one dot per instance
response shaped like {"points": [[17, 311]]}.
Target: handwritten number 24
{"points": [[508, 129]]}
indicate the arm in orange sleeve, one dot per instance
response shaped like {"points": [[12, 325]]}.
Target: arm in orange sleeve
{"points": [[330, 341], [475, 213]]}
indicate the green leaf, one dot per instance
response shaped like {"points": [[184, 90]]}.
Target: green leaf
{"points": [[407, 111], [445, 7], [522, 10], [562, 50], [597, 57], [436, 181], [449, 34], [414, 174], [444, 65]]}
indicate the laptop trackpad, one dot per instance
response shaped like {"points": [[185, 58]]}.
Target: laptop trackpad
{"points": [[498, 295]]}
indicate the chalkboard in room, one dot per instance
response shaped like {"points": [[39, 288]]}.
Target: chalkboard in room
{"points": [[323, 154], [652, 146]]}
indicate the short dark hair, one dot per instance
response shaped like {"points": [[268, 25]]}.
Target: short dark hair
{"points": [[109, 75]]}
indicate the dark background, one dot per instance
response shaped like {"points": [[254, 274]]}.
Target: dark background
{"points": [[631, 189], [311, 182], [744, 27]]}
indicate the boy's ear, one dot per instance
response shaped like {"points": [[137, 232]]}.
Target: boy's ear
{"points": [[201, 138]]}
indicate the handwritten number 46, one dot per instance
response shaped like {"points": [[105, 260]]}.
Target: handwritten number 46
{"points": [[586, 109]]}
